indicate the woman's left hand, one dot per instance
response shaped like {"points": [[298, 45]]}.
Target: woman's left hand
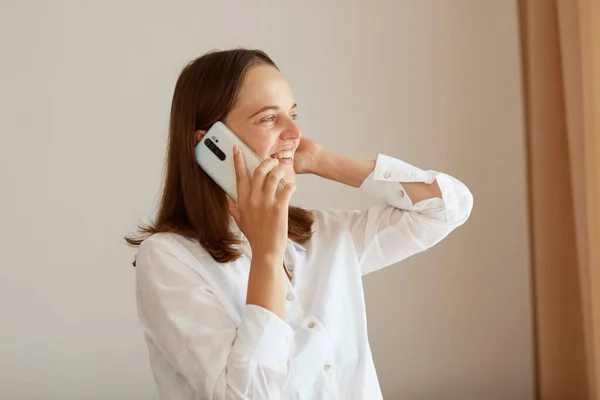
{"points": [[307, 156]]}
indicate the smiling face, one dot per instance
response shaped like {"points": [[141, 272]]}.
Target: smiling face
{"points": [[264, 117]]}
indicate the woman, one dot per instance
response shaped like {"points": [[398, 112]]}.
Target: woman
{"points": [[261, 300]]}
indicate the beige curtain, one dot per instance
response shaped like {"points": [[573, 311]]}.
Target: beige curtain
{"points": [[561, 59]]}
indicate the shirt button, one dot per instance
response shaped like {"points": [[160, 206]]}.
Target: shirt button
{"points": [[312, 324], [401, 193], [290, 267], [326, 367], [409, 176], [387, 175], [289, 297]]}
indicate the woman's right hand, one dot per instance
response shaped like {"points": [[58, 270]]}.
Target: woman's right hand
{"points": [[263, 207]]}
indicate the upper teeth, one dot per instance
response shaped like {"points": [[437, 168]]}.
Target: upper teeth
{"points": [[283, 154]]}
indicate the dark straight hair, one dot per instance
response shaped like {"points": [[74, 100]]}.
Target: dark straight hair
{"points": [[192, 204]]}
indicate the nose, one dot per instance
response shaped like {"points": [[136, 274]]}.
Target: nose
{"points": [[291, 131]]}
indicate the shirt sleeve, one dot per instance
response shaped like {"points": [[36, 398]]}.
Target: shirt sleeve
{"points": [[395, 228], [186, 321]]}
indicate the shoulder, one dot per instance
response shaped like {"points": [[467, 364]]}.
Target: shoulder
{"points": [[163, 242], [165, 245]]}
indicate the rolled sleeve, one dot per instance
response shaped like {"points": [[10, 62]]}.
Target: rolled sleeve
{"points": [[391, 169], [387, 233], [264, 338], [385, 182]]}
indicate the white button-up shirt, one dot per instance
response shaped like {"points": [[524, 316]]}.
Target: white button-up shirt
{"points": [[206, 343]]}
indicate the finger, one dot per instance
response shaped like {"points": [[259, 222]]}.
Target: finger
{"points": [[272, 180], [241, 175], [234, 210], [261, 172], [286, 194]]}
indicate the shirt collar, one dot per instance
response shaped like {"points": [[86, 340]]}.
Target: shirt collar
{"points": [[297, 245]]}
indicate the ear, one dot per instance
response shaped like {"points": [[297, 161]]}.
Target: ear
{"points": [[198, 135]]}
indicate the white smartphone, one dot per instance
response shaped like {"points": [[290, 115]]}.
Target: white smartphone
{"points": [[214, 154]]}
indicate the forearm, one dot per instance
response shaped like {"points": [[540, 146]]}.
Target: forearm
{"points": [[352, 171], [343, 169], [266, 285]]}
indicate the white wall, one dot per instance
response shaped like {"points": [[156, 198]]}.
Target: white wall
{"points": [[85, 89]]}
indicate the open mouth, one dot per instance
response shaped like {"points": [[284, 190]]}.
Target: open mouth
{"points": [[286, 155]]}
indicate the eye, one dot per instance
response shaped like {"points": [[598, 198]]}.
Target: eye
{"points": [[294, 116], [269, 119]]}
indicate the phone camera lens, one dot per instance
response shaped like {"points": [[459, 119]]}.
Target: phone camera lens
{"points": [[216, 151]]}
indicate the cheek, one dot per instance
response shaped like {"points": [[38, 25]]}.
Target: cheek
{"points": [[249, 134], [260, 142], [262, 149]]}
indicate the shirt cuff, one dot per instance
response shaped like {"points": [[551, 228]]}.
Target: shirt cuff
{"points": [[386, 180], [264, 338]]}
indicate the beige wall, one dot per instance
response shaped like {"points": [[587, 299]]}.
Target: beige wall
{"points": [[85, 92]]}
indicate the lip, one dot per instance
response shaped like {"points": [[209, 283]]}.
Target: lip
{"points": [[292, 149], [286, 161]]}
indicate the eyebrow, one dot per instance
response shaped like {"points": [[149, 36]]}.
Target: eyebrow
{"points": [[265, 108]]}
